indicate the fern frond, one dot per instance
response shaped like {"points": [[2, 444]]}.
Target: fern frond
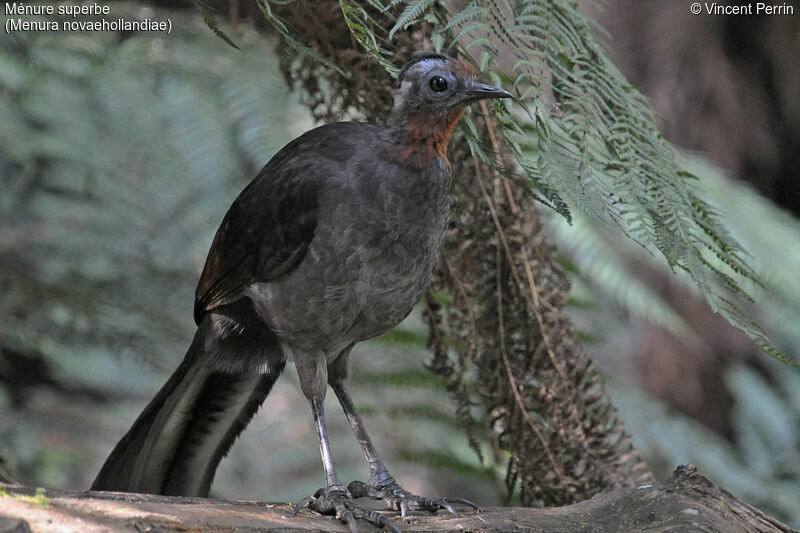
{"points": [[359, 22], [211, 22], [412, 12], [598, 149], [291, 42]]}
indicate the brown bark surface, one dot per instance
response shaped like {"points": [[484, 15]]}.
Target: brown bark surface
{"points": [[685, 502]]}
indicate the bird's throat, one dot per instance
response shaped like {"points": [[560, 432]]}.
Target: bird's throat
{"points": [[426, 136]]}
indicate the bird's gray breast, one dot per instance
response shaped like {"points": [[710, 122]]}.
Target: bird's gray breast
{"points": [[397, 247]]}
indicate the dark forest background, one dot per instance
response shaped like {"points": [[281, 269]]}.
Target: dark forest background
{"points": [[119, 154]]}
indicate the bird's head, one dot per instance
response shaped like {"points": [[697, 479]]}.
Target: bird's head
{"points": [[431, 94], [434, 84]]}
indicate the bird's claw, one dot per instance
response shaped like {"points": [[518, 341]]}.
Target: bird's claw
{"points": [[462, 501], [385, 522], [398, 499], [338, 501], [305, 501]]}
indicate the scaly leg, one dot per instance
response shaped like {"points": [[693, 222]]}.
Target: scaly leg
{"points": [[334, 498], [382, 485]]}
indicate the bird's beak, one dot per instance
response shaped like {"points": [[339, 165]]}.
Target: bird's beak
{"points": [[479, 91]]}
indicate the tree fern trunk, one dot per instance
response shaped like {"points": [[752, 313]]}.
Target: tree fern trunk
{"points": [[505, 293], [495, 307]]}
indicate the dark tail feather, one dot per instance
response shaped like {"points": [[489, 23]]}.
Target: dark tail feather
{"points": [[177, 442], [226, 409]]}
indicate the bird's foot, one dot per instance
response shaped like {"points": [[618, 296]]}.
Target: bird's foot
{"points": [[338, 501], [397, 498]]}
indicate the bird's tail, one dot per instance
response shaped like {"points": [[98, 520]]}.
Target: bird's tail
{"points": [[177, 442]]}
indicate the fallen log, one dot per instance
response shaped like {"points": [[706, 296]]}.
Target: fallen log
{"points": [[686, 502]]}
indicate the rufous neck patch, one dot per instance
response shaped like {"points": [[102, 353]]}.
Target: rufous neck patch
{"points": [[427, 136]]}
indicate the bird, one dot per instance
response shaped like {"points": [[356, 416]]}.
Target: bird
{"points": [[333, 242]]}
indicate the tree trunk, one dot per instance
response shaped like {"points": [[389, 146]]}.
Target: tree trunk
{"points": [[685, 502]]}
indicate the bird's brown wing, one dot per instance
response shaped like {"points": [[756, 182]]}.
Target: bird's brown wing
{"points": [[264, 234], [269, 227]]}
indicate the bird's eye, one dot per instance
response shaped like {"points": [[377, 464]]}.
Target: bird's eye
{"points": [[438, 84]]}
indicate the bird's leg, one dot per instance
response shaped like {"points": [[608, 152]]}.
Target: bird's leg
{"points": [[379, 476], [332, 483], [334, 498], [381, 485]]}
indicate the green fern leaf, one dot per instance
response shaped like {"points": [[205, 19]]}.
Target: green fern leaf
{"points": [[413, 11]]}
